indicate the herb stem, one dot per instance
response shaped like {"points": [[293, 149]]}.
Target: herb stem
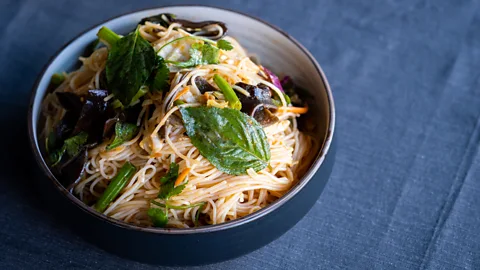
{"points": [[115, 186], [107, 36], [228, 92], [178, 102]]}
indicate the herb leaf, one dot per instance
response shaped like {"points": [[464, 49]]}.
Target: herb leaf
{"points": [[195, 59], [167, 188], [123, 132], [160, 81], [231, 140], [72, 146], [130, 63], [56, 156], [224, 45], [200, 54], [158, 217], [209, 54], [171, 175]]}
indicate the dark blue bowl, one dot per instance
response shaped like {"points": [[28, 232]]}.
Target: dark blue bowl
{"points": [[211, 243]]}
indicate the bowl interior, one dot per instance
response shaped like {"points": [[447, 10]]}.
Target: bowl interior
{"points": [[275, 49]]}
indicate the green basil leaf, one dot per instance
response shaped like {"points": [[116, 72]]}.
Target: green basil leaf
{"points": [[130, 63], [231, 140], [224, 45], [160, 82], [123, 132], [158, 216]]}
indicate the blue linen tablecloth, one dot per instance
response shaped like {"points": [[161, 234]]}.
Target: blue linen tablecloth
{"points": [[404, 192]]}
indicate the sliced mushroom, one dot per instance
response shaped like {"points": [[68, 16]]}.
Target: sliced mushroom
{"points": [[204, 86], [69, 101], [164, 19], [209, 29], [93, 116], [259, 104]]}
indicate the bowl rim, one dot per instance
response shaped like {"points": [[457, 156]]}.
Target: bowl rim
{"points": [[316, 163]]}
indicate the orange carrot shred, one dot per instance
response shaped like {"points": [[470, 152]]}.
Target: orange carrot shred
{"points": [[182, 176], [299, 110], [183, 92], [155, 155]]}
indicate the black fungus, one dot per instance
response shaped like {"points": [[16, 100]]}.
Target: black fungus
{"points": [[203, 29], [259, 104], [93, 116], [204, 86]]}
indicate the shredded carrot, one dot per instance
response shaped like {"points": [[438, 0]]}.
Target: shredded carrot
{"points": [[182, 176], [183, 92], [299, 110], [155, 155]]}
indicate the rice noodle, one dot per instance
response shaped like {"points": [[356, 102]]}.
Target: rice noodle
{"points": [[227, 197]]}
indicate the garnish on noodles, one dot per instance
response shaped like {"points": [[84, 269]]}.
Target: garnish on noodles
{"points": [[173, 125]]}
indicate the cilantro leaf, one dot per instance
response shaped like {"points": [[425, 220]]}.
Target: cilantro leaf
{"points": [[224, 45], [200, 54], [123, 132], [209, 54], [195, 59], [158, 217], [72, 146], [171, 175], [167, 182], [169, 190]]}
